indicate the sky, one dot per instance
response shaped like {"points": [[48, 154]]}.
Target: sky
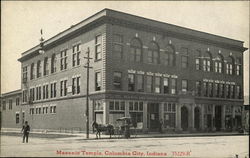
{"points": [[21, 22]]}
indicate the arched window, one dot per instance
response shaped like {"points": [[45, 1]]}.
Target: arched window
{"points": [[218, 64], [229, 66], [170, 56], [38, 67], [135, 50], [207, 60], [153, 53], [238, 66]]}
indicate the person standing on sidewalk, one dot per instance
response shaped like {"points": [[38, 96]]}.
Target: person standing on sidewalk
{"points": [[26, 131]]}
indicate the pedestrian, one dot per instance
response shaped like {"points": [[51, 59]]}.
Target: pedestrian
{"points": [[160, 125], [26, 131]]}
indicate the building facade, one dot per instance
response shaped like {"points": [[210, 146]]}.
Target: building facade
{"points": [[141, 68]]}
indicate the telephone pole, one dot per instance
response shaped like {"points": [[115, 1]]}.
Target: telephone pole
{"points": [[87, 93]]}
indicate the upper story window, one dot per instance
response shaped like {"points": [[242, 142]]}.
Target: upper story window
{"points": [[173, 86], [140, 83], [32, 94], [218, 64], [217, 90], [198, 88], [32, 71], [205, 88], [76, 55], [229, 66], [184, 58], [131, 82], [76, 85], [169, 56], [232, 91], [165, 85], [198, 60], [38, 69], [184, 85], [45, 91], [207, 62], [4, 105], [17, 101], [63, 60], [46, 66], [38, 93], [53, 63], [153, 53], [118, 46], [238, 67], [149, 84], [98, 47], [135, 51], [53, 90], [157, 85], [25, 96], [117, 80], [228, 91], [238, 92], [10, 104], [25, 74], [210, 89], [98, 81], [222, 90], [63, 87]]}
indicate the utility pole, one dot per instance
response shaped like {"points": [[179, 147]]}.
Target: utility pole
{"points": [[87, 93]]}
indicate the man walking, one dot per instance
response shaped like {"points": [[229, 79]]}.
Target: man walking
{"points": [[26, 130]]}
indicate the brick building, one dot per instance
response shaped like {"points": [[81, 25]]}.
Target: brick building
{"points": [[141, 68]]}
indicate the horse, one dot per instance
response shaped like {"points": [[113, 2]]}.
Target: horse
{"points": [[103, 128]]}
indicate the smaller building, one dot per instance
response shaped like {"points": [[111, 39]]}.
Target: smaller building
{"points": [[12, 114]]}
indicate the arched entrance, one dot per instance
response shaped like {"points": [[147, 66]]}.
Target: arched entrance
{"points": [[197, 115], [184, 118]]}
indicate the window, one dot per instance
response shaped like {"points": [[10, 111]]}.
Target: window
{"points": [[118, 46], [165, 85], [238, 92], [222, 89], [207, 62], [198, 88], [149, 84], [136, 113], [140, 83], [198, 60], [46, 66], [4, 105], [52, 109], [45, 91], [229, 66], [32, 73], [153, 53], [76, 85], [135, 51], [32, 94], [184, 58], [38, 93], [98, 81], [53, 63], [169, 115], [76, 55], [10, 104], [205, 88], [217, 90], [25, 96], [210, 89], [38, 69], [53, 90], [63, 60], [131, 82], [63, 88], [184, 85], [218, 64], [25, 74], [232, 91], [169, 56], [117, 80], [98, 47], [17, 118], [17, 101], [157, 85], [173, 86], [238, 66]]}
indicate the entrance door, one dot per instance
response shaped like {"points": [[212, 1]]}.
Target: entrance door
{"points": [[153, 116], [218, 117], [184, 118], [197, 118]]}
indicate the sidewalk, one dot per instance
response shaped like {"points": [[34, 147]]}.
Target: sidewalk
{"points": [[51, 134]]}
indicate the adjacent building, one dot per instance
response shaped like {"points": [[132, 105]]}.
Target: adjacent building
{"points": [[144, 69]]}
